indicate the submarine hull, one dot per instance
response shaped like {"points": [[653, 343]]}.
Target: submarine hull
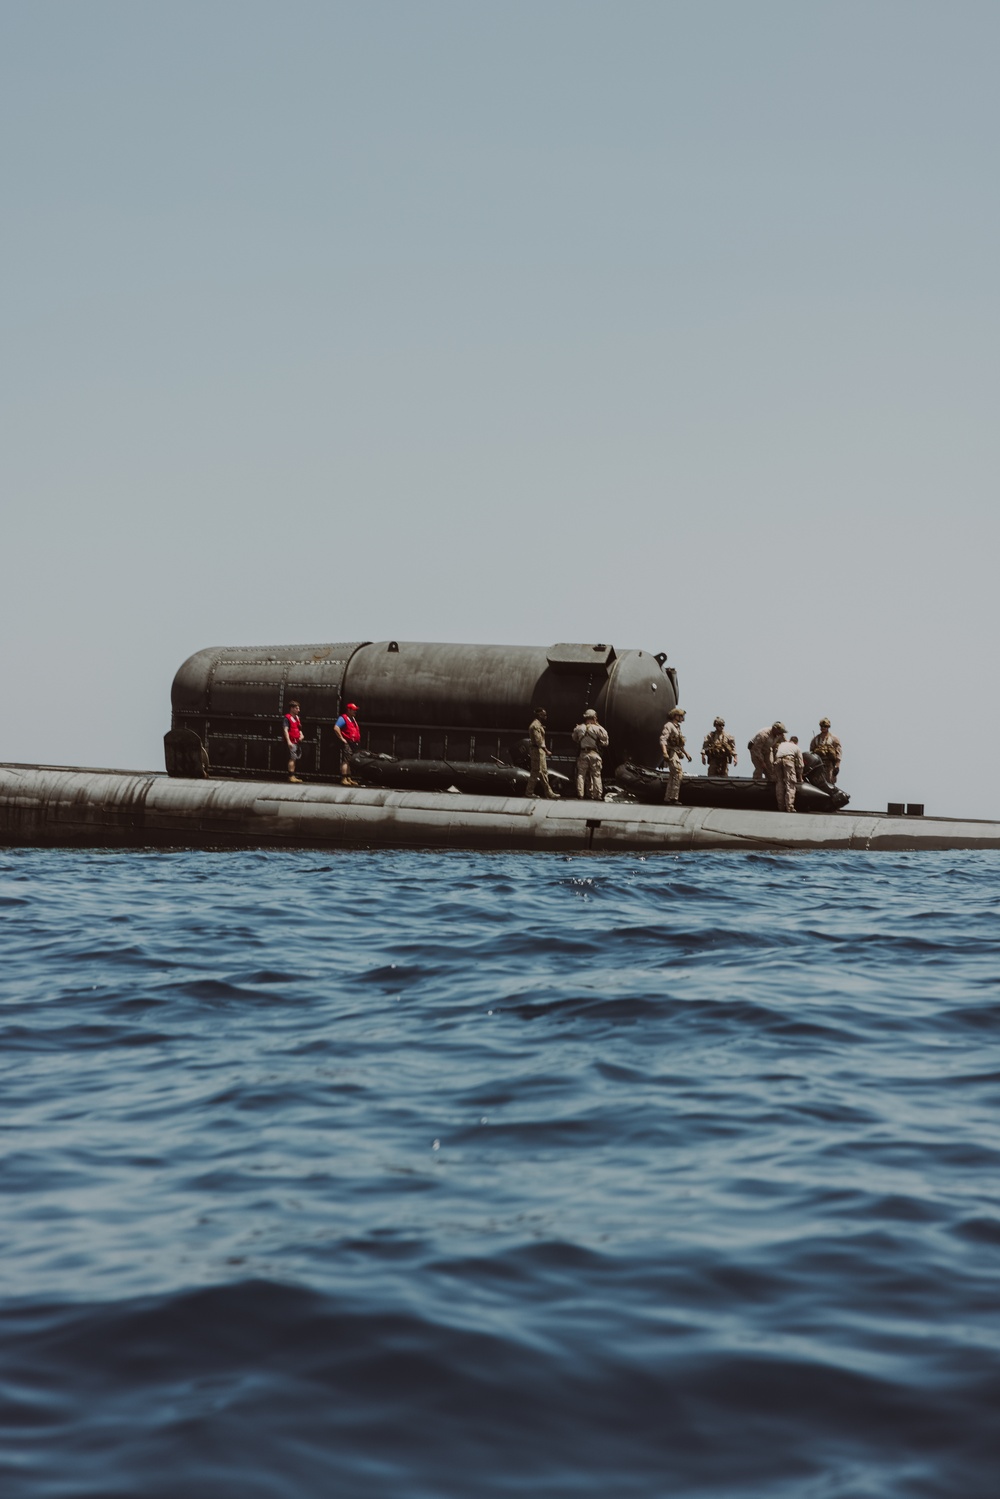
{"points": [[53, 806]]}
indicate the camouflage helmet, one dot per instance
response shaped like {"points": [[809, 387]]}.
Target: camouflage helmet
{"points": [[824, 723], [590, 713], [718, 723], [677, 713], [778, 727]]}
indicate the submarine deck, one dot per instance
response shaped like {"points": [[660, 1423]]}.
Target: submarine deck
{"points": [[67, 806]]}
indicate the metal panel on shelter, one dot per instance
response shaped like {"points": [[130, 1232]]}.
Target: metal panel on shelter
{"points": [[580, 657]]}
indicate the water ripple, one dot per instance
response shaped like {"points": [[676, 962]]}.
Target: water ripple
{"points": [[458, 1175]]}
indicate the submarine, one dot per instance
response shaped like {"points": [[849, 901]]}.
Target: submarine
{"points": [[442, 756], [437, 717]]}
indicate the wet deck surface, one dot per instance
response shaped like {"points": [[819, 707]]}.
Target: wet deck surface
{"points": [[72, 806]]}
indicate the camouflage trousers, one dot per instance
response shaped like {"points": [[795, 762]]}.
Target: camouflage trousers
{"points": [[588, 775], [718, 767], [762, 769], [787, 784], [830, 770], [675, 774], [539, 773]]}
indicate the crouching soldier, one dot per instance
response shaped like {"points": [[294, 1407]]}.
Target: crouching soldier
{"points": [[762, 747], [590, 738]]}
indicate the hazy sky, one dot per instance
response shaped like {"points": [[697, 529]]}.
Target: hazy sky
{"points": [[673, 325]]}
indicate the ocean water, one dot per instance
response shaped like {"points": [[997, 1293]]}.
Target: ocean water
{"points": [[433, 1175]]}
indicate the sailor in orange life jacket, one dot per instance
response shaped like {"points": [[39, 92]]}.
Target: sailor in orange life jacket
{"points": [[291, 728], [347, 731]]}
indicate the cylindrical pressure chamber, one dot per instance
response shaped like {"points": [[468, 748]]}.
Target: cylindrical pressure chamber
{"points": [[417, 701]]}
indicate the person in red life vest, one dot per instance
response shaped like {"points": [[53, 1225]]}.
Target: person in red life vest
{"points": [[291, 729], [347, 731]]}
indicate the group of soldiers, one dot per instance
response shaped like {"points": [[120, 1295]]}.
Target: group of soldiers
{"points": [[589, 736], [774, 753]]}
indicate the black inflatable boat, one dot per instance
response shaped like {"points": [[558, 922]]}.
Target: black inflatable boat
{"points": [[475, 777], [738, 792]]}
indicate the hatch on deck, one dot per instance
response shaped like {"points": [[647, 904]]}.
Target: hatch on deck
{"points": [[580, 657]]}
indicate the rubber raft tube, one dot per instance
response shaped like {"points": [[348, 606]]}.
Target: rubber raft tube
{"points": [[472, 776], [738, 792]]}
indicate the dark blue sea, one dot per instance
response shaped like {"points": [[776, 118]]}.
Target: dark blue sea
{"points": [[426, 1175]]}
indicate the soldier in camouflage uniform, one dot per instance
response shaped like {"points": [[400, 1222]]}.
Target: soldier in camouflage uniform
{"points": [[590, 738], [789, 772], [718, 749], [827, 746], [762, 747], [539, 752], [672, 750]]}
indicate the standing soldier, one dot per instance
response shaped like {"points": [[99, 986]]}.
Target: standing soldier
{"points": [[672, 749], [827, 746], [718, 750], [589, 739], [789, 771], [539, 763], [762, 747]]}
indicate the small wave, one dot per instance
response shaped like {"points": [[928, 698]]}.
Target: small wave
{"points": [[487, 1174], [214, 991], [272, 1389]]}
